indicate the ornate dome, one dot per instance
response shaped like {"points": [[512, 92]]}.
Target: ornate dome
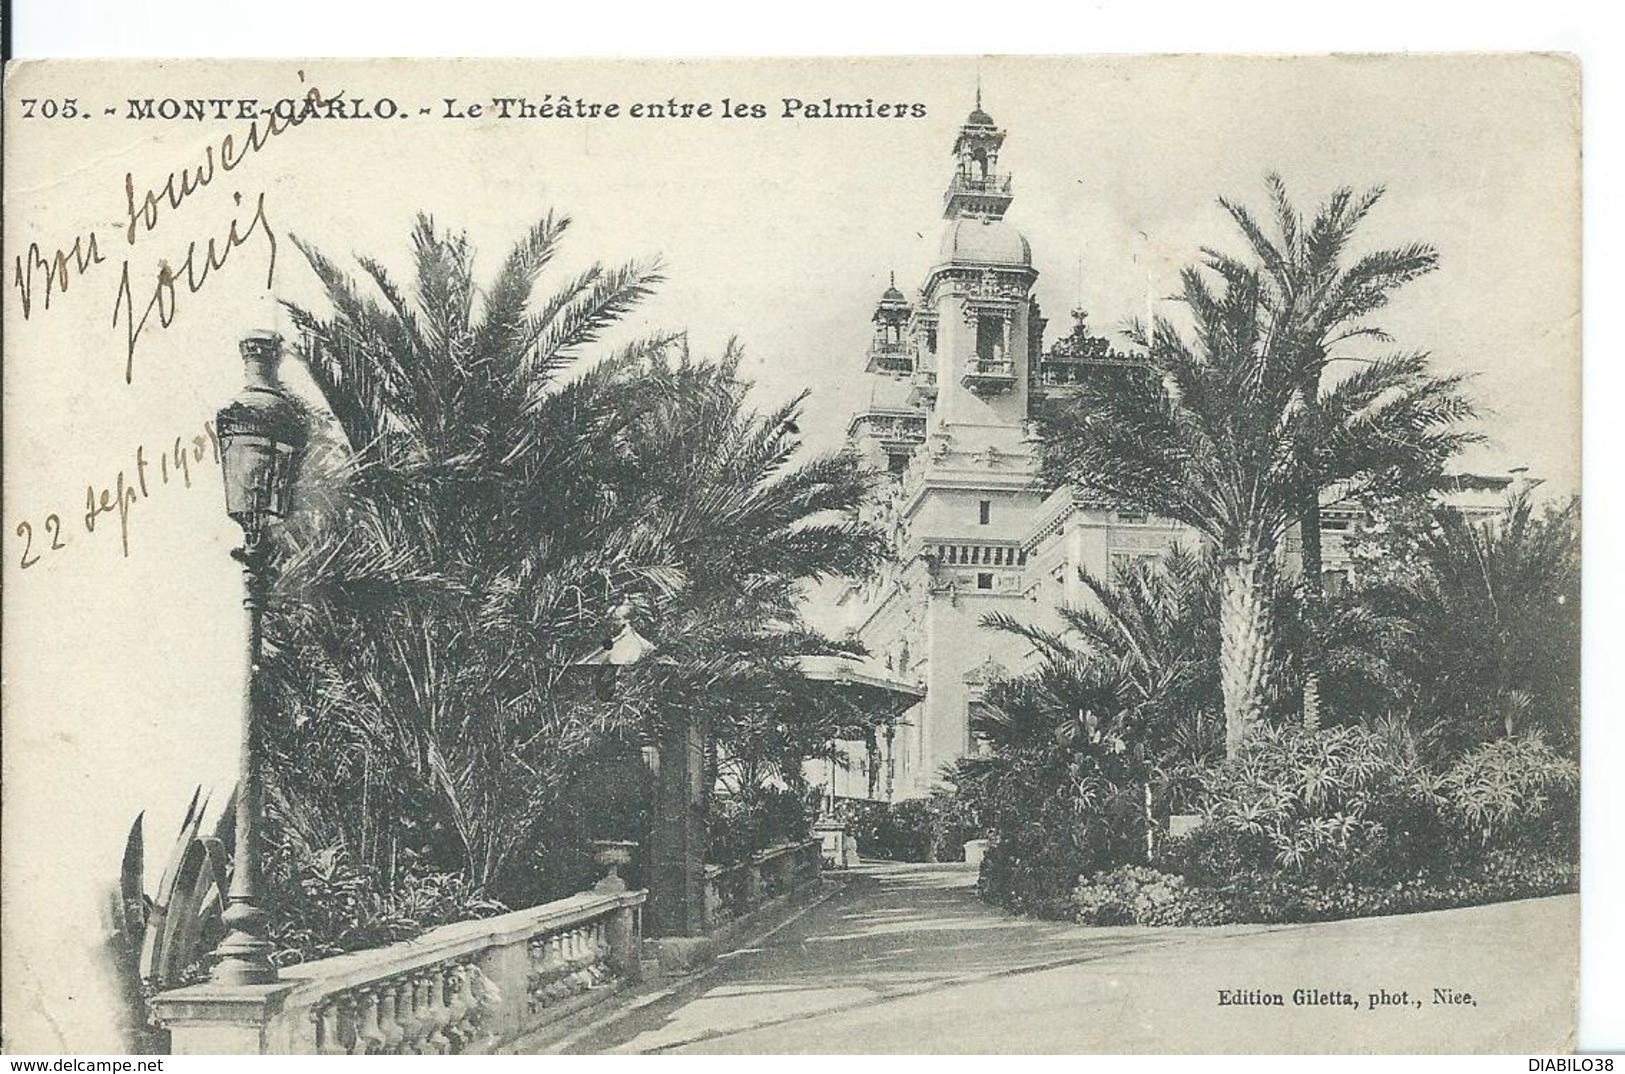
{"points": [[984, 241], [979, 118]]}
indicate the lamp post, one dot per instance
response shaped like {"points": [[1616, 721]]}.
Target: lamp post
{"points": [[262, 436], [677, 842]]}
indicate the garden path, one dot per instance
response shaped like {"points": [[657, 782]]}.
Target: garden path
{"points": [[905, 958]]}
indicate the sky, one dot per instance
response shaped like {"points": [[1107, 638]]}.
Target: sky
{"points": [[123, 642]]}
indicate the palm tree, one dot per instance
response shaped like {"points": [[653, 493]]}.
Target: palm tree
{"points": [[1144, 647], [1494, 612], [1153, 627], [1312, 302], [442, 576], [478, 515], [1219, 432]]}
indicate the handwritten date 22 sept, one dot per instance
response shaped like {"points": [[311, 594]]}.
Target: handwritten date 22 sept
{"points": [[173, 465]]}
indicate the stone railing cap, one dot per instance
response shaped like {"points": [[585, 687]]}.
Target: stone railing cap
{"points": [[308, 982]]}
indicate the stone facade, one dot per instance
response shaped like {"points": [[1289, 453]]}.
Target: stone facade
{"points": [[959, 368]]}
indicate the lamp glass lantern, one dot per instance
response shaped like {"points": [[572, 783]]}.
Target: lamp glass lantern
{"points": [[262, 436]]}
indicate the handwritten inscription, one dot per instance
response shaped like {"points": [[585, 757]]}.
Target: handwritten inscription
{"points": [[194, 271], [37, 275], [61, 267], [173, 464]]}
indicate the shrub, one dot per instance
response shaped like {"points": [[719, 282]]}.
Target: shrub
{"points": [[1513, 791], [740, 825], [1501, 876], [1142, 896], [1139, 895], [892, 831], [322, 904], [1043, 842], [1337, 804]]}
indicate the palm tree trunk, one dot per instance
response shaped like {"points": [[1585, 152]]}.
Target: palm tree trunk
{"points": [[1314, 593], [1246, 643]]}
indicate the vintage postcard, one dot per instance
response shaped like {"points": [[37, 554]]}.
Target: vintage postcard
{"points": [[1072, 554]]}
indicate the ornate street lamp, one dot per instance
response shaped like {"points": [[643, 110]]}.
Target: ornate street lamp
{"points": [[620, 647], [262, 436]]}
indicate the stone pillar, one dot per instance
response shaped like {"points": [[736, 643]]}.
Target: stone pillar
{"points": [[626, 942], [216, 1019], [677, 859]]}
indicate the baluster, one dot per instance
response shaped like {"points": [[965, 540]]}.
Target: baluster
{"points": [[552, 968], [581, 978], [547, 968], [567, 963], [452, 982], [535, 980], [434, 989], [460, 987], [350, 1024], [453, 1006], [600, 942], [409, 1013], [474, 989], [388, 1018], [327, 1029], [583, 973], [368, 1040], [561, 982]]}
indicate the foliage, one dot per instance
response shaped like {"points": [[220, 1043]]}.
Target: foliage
{"points": [[1052, 816], [1230, 431], [1150, 897], [1514, 791], [162, 941], [934, 828], [741, 824], [1334, 803], [325, 904], [1493, 613], [1342, 822], [1135, 895], [469, 519], [1149, 636]]}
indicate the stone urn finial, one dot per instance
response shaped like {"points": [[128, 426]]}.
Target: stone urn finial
{"points": [[611, 854]]}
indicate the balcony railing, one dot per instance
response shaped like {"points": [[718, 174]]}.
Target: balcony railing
{"points": [[977, 193], [979, 184], [985, 377], [891, 358]]}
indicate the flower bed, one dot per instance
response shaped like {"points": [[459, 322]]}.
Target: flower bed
{"points": [[1140, 895]]}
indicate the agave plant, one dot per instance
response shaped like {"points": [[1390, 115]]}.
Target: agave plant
{"points": [[161, 941]]}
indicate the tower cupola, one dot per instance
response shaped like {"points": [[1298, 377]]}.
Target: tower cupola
{"points": [[977, 185], [890, 351]]}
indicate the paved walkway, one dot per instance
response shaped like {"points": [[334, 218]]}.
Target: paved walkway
{"points": [[906, 959]]}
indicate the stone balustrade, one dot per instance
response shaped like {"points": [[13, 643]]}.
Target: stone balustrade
{"points": [[471, 987], [731, 891]]}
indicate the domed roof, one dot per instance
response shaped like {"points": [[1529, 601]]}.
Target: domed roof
{"points": [[979, 118], [893, 295], [985, 241]]}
